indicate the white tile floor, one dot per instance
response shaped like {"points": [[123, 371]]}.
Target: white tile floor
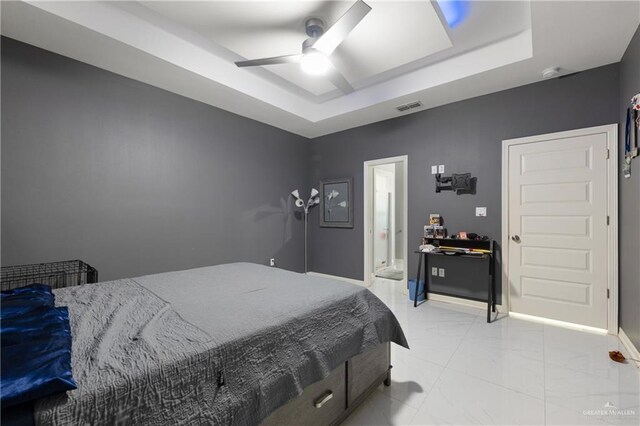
{"points": [[461, 370]]}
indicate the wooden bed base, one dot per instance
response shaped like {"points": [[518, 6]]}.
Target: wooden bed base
{"points": [[349, 386], [331, 400]]}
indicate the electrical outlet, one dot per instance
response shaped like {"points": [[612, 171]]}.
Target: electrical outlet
{"points": [[434, 271], [441, 168], [481, 211], [441, 272], [272, 261], [434, 170]]}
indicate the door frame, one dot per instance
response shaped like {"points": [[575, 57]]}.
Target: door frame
{"points": [[611, 131], [368, 213]]}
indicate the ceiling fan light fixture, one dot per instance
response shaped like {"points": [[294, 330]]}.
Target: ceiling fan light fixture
{"points": [[315, 63]]}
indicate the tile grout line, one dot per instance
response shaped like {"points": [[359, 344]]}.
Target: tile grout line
{"points": [[492, 383], [444, 367], [459, 343], [497, 384]]}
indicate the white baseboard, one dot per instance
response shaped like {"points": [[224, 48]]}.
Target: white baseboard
{"points": [[628, 344], [334, 277], [558, 323], [460, 301]]}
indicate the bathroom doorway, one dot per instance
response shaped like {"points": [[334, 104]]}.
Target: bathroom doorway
{"points": [[385, 219]]}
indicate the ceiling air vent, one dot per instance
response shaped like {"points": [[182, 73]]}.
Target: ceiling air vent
{"points": [[410, 105]]}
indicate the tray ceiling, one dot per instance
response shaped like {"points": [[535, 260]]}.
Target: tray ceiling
{"points": [[402, 51], [258, 29]]}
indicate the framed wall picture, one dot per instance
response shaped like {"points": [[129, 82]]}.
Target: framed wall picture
{"points": [[336, 203]]}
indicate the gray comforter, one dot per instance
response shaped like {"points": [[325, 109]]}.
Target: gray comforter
{"points": [[219, 345]]}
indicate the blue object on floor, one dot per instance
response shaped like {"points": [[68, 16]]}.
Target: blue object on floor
{"points": [[36, 346], [412, 290]]}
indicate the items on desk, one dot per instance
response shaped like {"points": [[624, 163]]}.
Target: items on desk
{"points": [[435, 231], [434, 228], [429, 232], [430, 248], [469, 236], [460, 250], [439, 245], [427, 248]]}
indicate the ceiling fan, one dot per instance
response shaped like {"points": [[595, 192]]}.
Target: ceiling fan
{"points": [[316, 50]]}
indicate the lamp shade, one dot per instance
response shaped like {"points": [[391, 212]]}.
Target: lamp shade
{"points": [[314, 192], [295, 193]]}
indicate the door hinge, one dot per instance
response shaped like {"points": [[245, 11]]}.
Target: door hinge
{"points": [[607, 293], [607, 153], [608, 220]]}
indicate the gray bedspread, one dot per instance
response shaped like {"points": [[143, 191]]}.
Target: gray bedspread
{"points": [[226, 344]]}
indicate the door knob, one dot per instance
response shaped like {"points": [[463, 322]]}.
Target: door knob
{"points": [[516, 238]]}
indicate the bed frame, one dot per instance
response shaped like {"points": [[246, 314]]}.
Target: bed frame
{"points": [[331, 400], [326, 402]]}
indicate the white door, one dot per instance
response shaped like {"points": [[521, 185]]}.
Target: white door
{"points": [[557, 225]]}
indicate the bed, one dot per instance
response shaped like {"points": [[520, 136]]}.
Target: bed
{"points": [[230, 344]]}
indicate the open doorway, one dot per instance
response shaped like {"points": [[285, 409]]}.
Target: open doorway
{"points": [[385, 219]]}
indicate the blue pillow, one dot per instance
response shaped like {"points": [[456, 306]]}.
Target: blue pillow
{"points": [[36, 346], [17, 300]]}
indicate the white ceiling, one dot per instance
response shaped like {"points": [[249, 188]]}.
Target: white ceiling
{"points": [[258, 29], [402, 51]]}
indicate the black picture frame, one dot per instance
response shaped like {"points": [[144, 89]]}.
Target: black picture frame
{"points": [[336, 203]]}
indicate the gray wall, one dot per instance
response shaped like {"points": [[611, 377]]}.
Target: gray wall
{"points": [[465, 137], [136, 180], [629, 193]]}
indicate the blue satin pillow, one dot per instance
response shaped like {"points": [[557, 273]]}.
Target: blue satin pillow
{"points": [[19, 300], [36, 346]]}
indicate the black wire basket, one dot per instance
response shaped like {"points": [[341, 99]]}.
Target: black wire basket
{"points": [[56, 274]]}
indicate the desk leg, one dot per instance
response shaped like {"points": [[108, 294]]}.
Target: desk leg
{"points": [[415, 293], [489, 305], [493, 290], [490, 294], [426, 276]]}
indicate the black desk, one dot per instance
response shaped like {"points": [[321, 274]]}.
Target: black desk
{"points": [[486, 257]]}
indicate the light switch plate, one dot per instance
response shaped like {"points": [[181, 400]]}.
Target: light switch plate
{"points": [[441, 272], [434, 271], [434, 170], [481, 211], [441, 168]]}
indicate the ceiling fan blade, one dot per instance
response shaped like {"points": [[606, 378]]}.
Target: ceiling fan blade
{"points": [[286, 59], [338, 80], [335, 35]]}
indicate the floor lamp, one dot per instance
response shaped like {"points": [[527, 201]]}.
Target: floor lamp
{"points": [[313, 200]]}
